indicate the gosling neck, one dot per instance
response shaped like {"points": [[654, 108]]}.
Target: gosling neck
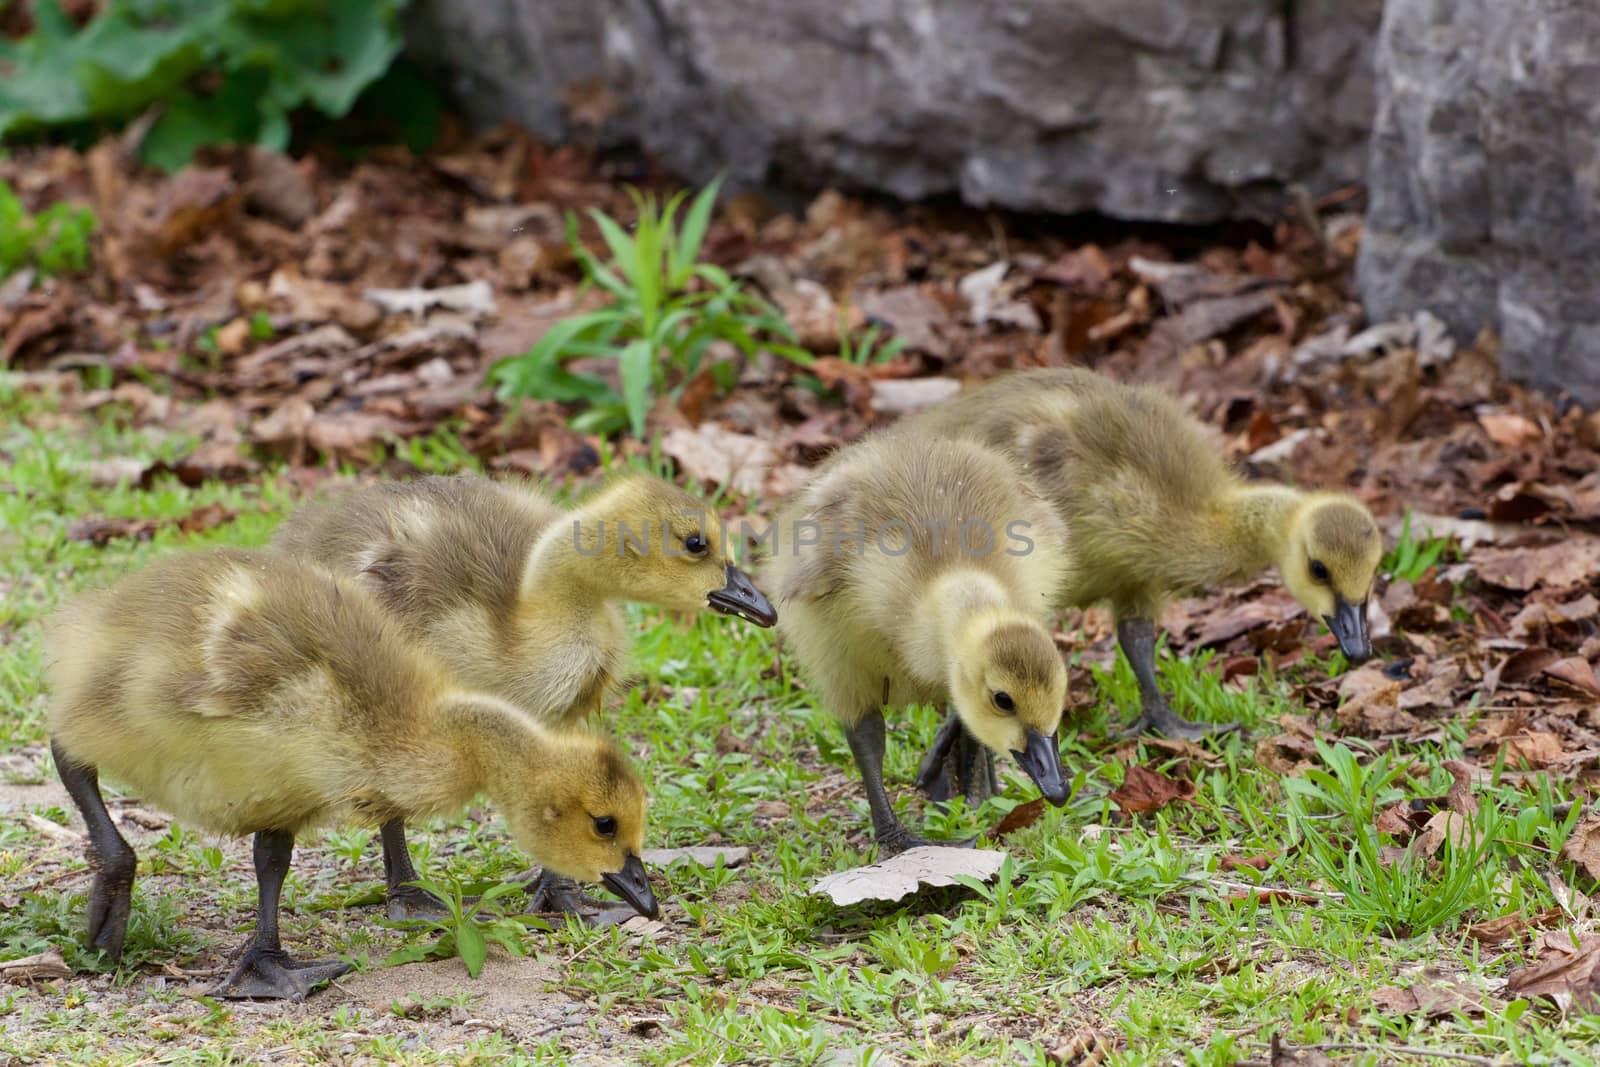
{"points": [[475, 744], [573, 561], [1256, 524], [958, 609]]}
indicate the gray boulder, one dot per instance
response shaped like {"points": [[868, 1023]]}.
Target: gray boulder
{"points": [[1173, 110], [1485, 179]]}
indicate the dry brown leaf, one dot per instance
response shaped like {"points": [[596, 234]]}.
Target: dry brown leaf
{"points": [[1143, 790], [1583, 847], [1558, 566], [1522, 667], [1376, 712], [715, 455], [1537, 749], [1018, 818], [1576, 672], [1565, 972], [1232, 862], [1459, 797], [1510, 430], [101, 530], [1509, 927], [1432, 996], [1445, 826], [1086, 1047], [1288, 1056]]}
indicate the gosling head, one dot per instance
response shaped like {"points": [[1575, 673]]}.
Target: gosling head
{"points": [[1330, 560], [1009, 685], [584, 817], [650, 541]]}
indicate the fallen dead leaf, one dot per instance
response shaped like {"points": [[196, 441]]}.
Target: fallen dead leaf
{"points": [[1583, 847], [1576, 672], [1509, 927], [1376, 712], [1565, 972], [1432, 996], [705, 855], [1288, 1056], [1085, 1047], [1510, 430], [1558, 566], [1143, 790], [1232, 862], [102, 530], [1019, 818], [900, 876], [713, 454], [1536, 750]]}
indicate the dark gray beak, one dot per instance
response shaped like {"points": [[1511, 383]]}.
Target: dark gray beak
{"points": [[1349, 624], [741, 597], [1042, 760], [633, 885]]}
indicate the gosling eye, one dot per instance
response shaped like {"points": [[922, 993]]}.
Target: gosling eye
{"points": [[695, 545], [1319, 570], [1003, 701], [605, 825]]}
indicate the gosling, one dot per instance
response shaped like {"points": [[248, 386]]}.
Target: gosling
{"points": [[1153, 511], [916, 571], [519, 597], [247, 693]]}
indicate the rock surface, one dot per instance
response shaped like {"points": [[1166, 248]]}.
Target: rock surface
{"points": [[1175, 110], [1485, 180]]}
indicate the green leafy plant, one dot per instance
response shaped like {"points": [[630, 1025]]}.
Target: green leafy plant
{"points": [[221, 70], [666, 310], [55, 241], [1411, 557], [468, 928], [865, 350], [1404, 894]]}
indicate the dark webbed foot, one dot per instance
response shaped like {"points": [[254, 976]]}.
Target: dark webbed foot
{"points": [[409, 902], [1163, 720], [552, 893], [110, 899], [272, 975], [957, 763]]}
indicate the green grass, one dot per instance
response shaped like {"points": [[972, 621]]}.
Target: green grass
{"points": [[1130, 926]]}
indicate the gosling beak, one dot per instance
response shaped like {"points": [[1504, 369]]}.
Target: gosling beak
{"points": [[1349, 624], [741, 597], [1042, 760], [633, 885]]}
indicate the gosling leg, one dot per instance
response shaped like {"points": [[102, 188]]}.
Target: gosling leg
{"points": [[405, 901], [937, 774], [866, 739], [1138, 640], [265, 970], [113, 861], [958, 762]]}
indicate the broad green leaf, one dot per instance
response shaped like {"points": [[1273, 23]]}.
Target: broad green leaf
{"points": [[695, 224], [494, 892], [623, 252], [634, 369], [470, 944]]}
